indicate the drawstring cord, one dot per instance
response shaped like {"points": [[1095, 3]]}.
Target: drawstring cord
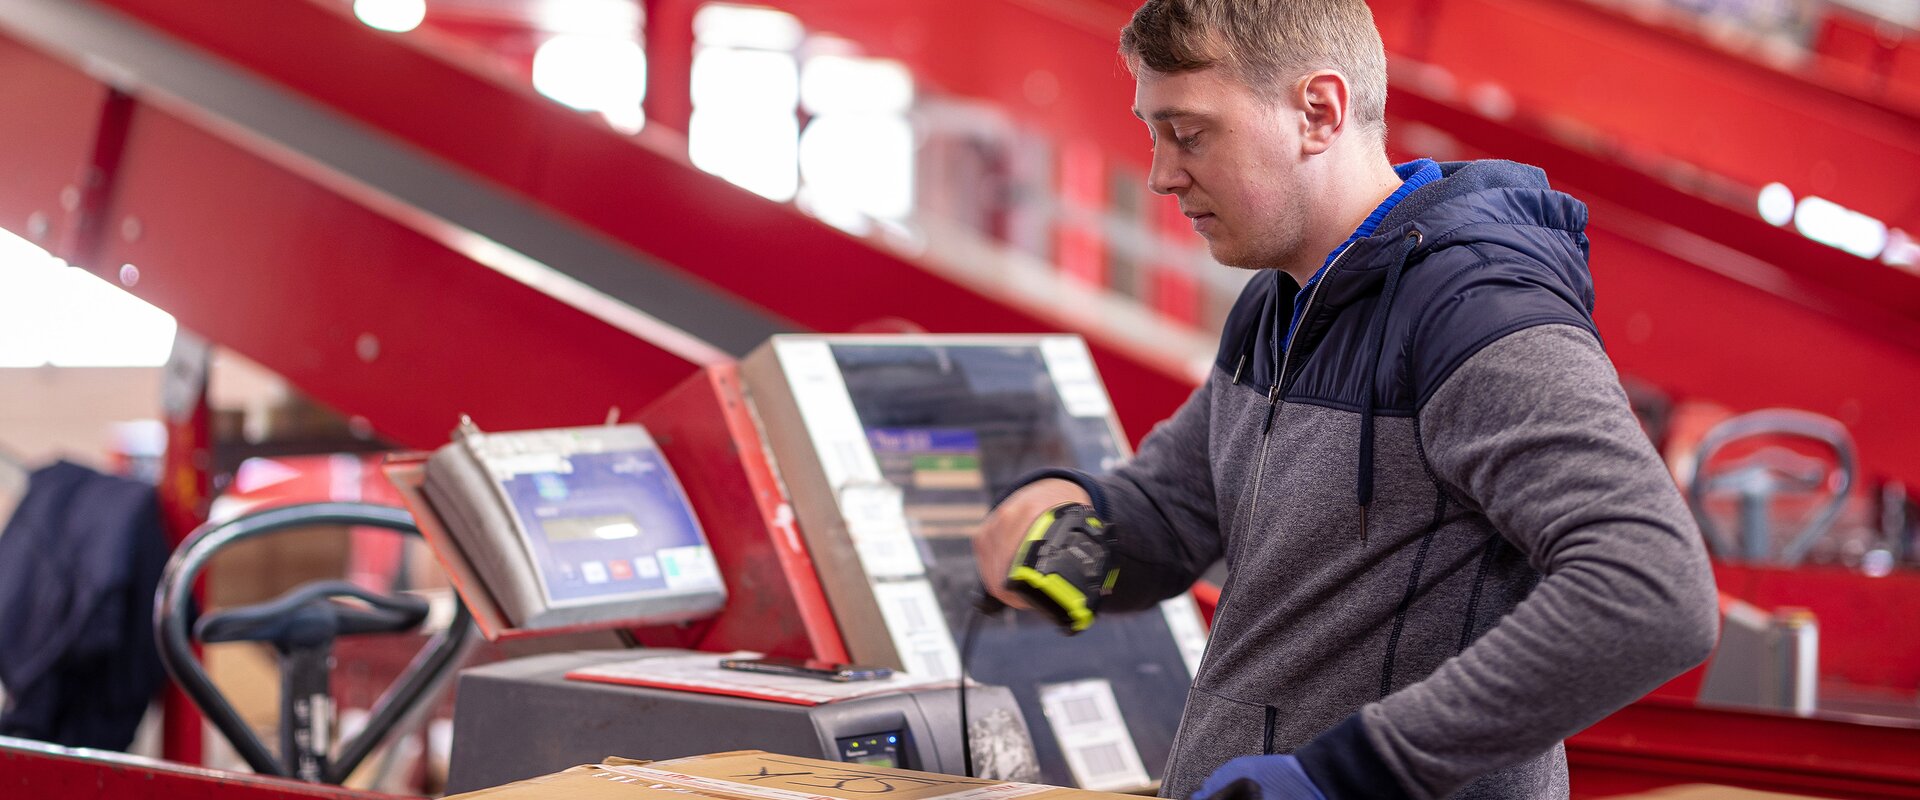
{"points": [[1274, 351], [1364, 486]]}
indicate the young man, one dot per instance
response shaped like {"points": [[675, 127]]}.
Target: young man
{"points": [[1449, 545]]}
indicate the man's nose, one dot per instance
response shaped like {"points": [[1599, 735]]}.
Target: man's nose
{"points": [[1166, 176]]}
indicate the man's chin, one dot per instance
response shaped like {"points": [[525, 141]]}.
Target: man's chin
{"points": [[1227, 257]]}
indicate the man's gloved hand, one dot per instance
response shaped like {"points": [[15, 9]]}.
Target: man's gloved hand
{"points": [[1000, 535], [1260, 778]]}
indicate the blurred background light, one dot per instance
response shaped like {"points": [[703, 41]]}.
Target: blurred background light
{"points": [[753, 27], [841, 84], [1834, 225], [618, 18], [398, 16], [1776, 204], [594, 73]]}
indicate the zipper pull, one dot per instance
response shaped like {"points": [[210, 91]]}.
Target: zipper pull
{"points": [[1273, 404]]}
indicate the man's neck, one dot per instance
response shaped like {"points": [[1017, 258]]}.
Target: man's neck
{"points": [[1352, 200]]}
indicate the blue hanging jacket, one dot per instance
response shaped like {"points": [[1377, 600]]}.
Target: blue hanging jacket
{"points": [[79, 563]]}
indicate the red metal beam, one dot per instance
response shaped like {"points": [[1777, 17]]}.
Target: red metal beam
{"points": [[373, 313], [1660, 742], [186, 495], [34, 769], [1660, 93], [53, 114], [374, 309], [1653, 89], [670, 48]]}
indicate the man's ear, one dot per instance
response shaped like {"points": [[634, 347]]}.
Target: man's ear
{"points": [[1324, 100]]}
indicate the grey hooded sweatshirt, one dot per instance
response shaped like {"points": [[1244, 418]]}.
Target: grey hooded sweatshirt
{"points": [[1449, 545]]}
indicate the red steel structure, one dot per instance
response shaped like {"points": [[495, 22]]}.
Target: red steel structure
{"points": [[643, 197]]}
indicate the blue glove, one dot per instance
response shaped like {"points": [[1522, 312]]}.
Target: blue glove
{"points": [[1260, 778]]}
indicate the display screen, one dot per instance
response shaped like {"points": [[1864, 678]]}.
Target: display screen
{"points": [[952, 427], [609, 524], [600, 528]]}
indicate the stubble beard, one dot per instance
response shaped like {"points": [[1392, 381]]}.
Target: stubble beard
{"points": [[1247, 257]]}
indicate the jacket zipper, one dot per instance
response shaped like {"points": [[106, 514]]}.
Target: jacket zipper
{"points": [[1273, 394]]}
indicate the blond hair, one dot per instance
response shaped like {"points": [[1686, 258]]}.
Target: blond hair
{"points": [[1267, 44]]}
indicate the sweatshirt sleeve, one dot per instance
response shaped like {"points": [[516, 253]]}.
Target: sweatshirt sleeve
{"points": [[1161, 504], [1535, 432]]}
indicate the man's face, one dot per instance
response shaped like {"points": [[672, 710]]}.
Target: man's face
{"points": [[1233, 159]]}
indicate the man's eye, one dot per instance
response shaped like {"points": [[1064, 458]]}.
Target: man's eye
{"points": [[1189, 141]]}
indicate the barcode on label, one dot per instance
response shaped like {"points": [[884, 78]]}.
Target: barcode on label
{"points": [[1104, 760], [1081, 710], [1085, 720], [935, 661], [911, 613], [919, 632]]}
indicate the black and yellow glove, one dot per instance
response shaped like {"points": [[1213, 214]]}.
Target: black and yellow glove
{"points": [[1062, 567]]}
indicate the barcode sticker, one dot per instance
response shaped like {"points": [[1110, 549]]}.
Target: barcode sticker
{"points": [[1104, 759], [1086, 722], [876, 517], [919, 631], [1081, 710]]}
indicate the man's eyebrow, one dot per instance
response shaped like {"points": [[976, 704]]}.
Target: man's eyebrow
{"points": [[1165, 114]]}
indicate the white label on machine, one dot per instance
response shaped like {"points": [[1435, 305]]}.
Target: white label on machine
{"points": [[828, 412], [688, 566], [507, 466], [1188, 629], [918, 629], [1086, 721], [876, 516], [1073, 376]]}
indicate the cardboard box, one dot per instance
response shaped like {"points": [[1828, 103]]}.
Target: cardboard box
{"points": [[759, 775]]}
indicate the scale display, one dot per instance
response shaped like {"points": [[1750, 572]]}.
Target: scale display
{"points": [[572, 526], [609, 525]]}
